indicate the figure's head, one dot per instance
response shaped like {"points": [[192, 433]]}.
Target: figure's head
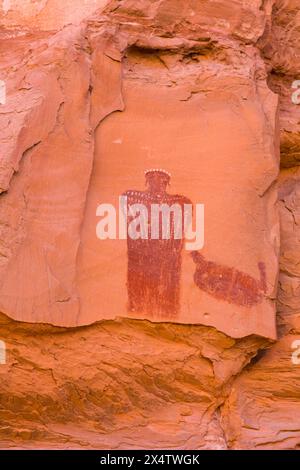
{"points": [[157, 180]]}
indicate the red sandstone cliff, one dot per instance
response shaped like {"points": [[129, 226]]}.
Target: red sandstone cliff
{"points": [[94, 381]]}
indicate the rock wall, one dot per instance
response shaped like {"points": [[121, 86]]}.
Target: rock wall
{"points": [[45, 15], [181, 386]]}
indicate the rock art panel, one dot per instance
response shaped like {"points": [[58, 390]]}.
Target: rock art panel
{"points": [[201, 149], [93, 107]]}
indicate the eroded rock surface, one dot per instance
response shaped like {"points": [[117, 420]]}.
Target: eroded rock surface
{"points": [[126, 384]]}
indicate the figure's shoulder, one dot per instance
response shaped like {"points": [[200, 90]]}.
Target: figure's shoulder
{"points": [[131, 192], [133, 195], [179, 199]]}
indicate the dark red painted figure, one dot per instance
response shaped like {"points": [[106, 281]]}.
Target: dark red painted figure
{"points": [[154, 265], [229, 284]]}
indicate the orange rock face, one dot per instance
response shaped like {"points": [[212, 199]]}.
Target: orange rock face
{"points": [[179, 105], [99, 337]]}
